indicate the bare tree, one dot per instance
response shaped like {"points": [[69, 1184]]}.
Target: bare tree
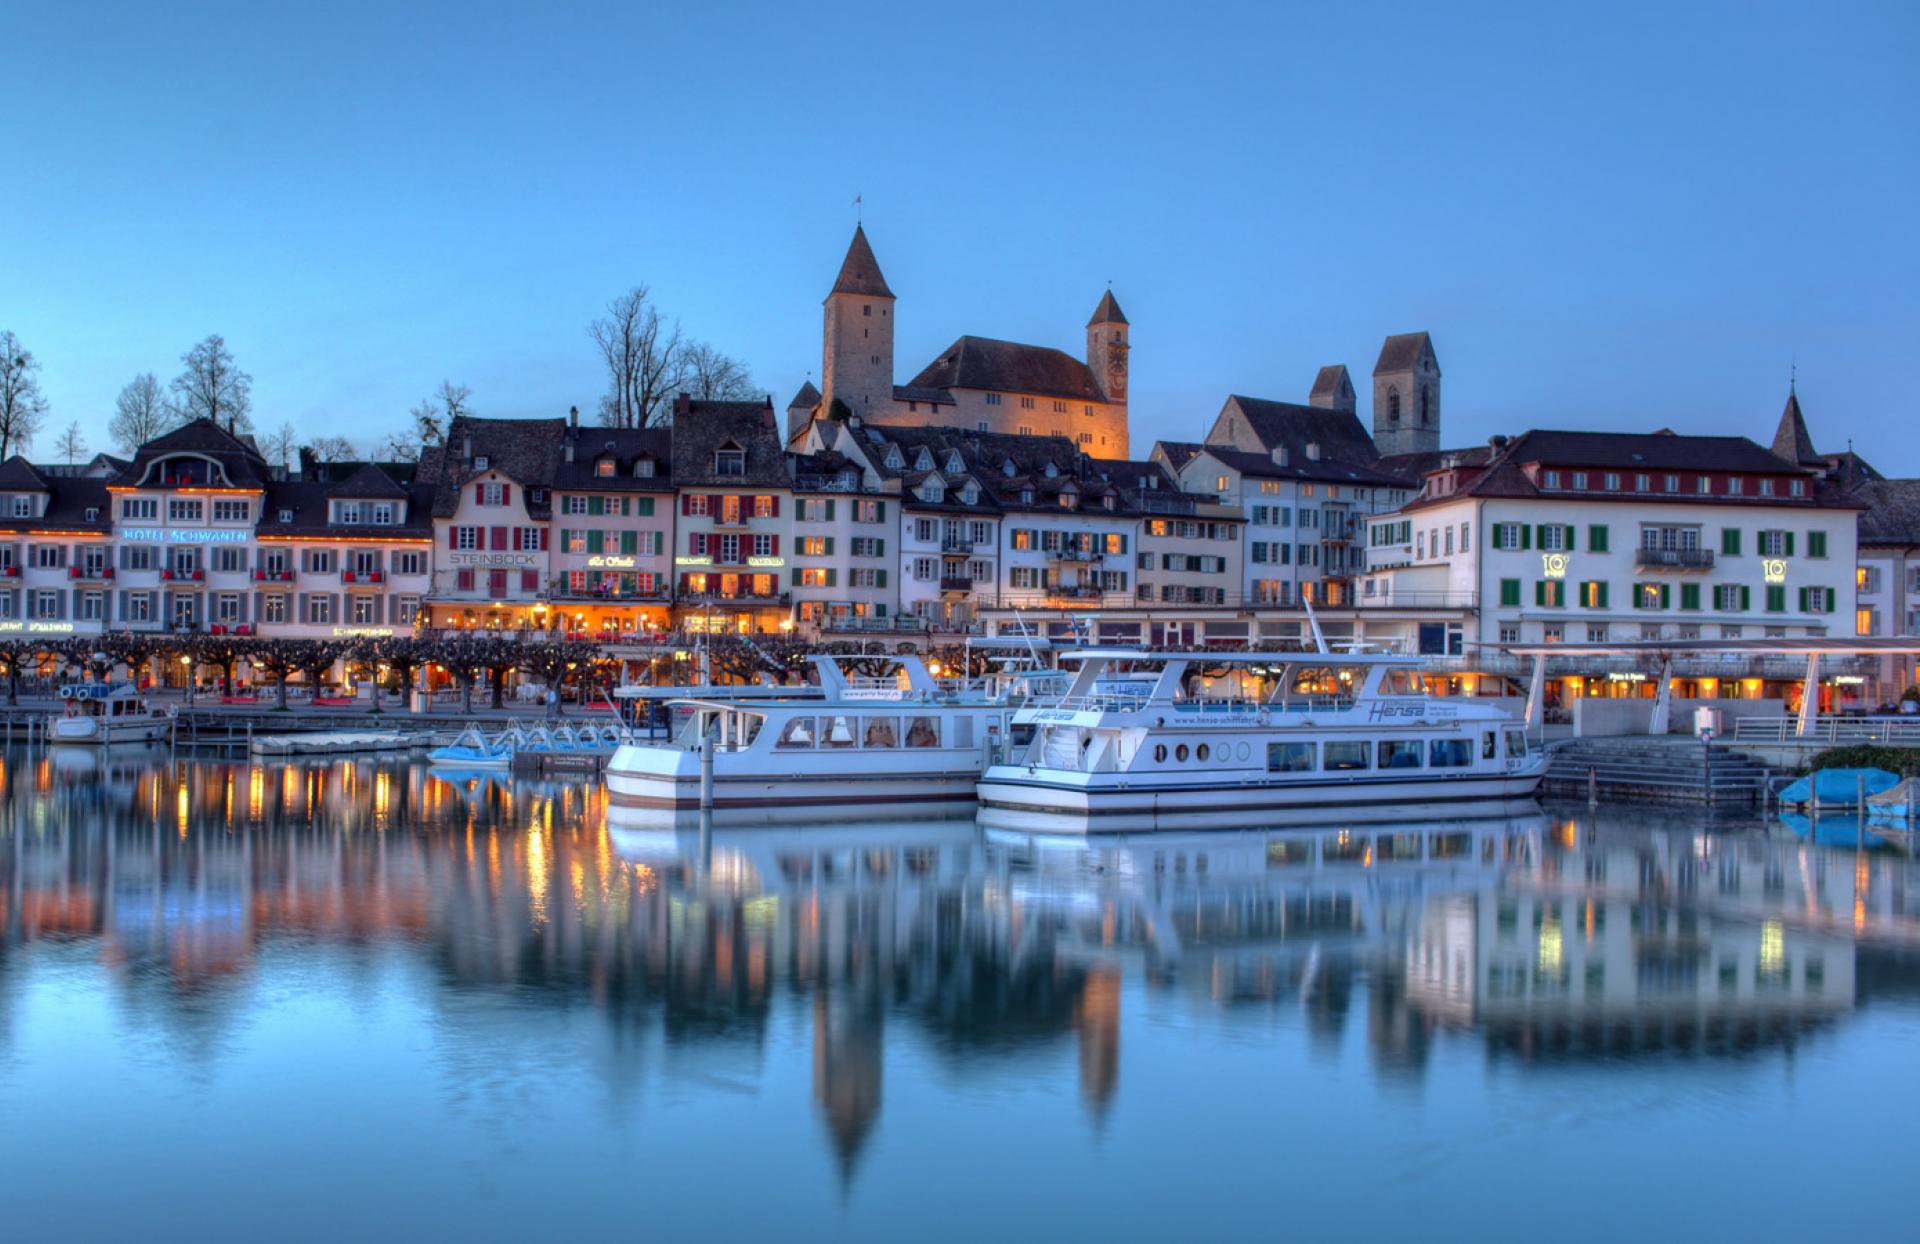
{"points": [[332, 449], [213, 387], [22, 405], [715, 377], [435, 414], [72, 445], [455, 400], [399, 447], [282, 446], [140, 413], [643, 354]]}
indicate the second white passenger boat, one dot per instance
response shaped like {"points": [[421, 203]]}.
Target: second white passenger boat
{"points": [[1275, 739], [894, 746]]}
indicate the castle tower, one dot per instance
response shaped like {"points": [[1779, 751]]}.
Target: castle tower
{"points": [[1107, 352], [857, 370], [1333, 389], [1406, 396]]}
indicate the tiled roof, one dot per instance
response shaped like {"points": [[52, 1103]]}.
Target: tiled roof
{"points": [[984, 363], [368, 483], [1892, 514], [1262, 466], [911, 393], [806, 399], [524, 450], [1179, 453], [1338, 433], [18, 475], [241, 461], [1411, 468], [1631, 451], [701, 428], [1401, 352], [72, 498], [860, 271], [625, 447], [1331, 383], [307, 502], [1108, 312], [1791, 440]]}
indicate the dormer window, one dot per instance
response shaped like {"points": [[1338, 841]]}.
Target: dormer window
{"points": [[380, 514], [954, 465], [93, 513], [643, 469], [894, 460], [286, 516], [1106, 502], [1051, 471], [1313, 451], [349, 512], [23, 507], [923, 461], [1008, 469], [730, 460], [482, 462], [605, 468], [1026, 496], [970, 494]]}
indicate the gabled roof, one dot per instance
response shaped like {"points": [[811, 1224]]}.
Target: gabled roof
{"points": [[1262, 466], [1791, 440], [860, 271], [18, 475], [1643, 451], [1401, 352], [1179, 453], [806, 399], [1108, 312], [526, 450], [625, 447], [984, 363], [700, 428], [1339, 433], [1331, 383], [368, 483]]}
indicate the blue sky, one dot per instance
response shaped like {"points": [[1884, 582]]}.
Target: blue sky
{"points": [[1608, 216]]}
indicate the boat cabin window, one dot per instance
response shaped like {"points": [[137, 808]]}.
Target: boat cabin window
{"points": [[1342, 756], [1486, 745], [881, 732], [837, 731], [1399, 753], [1289, 757], [1401, 682], [923, 732], [1449, 753], [1516, 742], [1160, 753], [798, 732]]}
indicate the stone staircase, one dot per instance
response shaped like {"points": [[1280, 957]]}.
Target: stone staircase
{"points": [[1677, 769]]}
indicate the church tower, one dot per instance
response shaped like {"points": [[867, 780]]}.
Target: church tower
{"points": [[857, 370], [1406, 396]]}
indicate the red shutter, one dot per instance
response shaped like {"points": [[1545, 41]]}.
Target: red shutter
{"points": [[776, 546], [529, 581], [479, 494], [506, 494], [543, 539], [464, 578], [499, 539], [776, 505], [713, 507], [453, 537], [686, 504]]}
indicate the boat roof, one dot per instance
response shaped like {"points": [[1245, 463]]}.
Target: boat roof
{"points": [[96, 690], [1241, 658]]}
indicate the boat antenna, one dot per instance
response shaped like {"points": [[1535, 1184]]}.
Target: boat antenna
{"points": [[1313, 620]]}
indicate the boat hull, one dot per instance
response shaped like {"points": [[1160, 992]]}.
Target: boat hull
{"points": [[1013, 797], [96, 732], [661, 786]]}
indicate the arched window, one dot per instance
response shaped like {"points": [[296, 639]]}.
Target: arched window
{"points": [[1393, 405], [1425, 393]]}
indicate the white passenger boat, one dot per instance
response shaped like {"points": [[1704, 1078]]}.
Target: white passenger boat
{"points": [[896, 745], [1250, 739], [106, 713]]}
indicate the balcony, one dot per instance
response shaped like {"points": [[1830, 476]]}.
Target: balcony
{"points": [[956, 583], [696, 600], [1416, 600], [1077, 557], [560, 589], [963, 545], [273, 576], [1673, 559], [90, 572]]}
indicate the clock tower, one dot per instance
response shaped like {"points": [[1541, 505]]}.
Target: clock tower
{"points": [[1107, 350]]}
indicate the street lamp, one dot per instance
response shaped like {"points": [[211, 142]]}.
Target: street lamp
{"points": [[187, 668]]}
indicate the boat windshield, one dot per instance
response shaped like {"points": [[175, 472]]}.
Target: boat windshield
{"points": [[1318, 686]]}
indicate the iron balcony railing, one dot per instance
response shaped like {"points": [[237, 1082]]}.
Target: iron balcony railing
{"points": [[1673, 559]]}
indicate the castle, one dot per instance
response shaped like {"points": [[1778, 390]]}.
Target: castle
{"points": [[977, 383]]}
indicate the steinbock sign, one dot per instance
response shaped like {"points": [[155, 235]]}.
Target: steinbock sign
{"points": [[183, 535], [494, 560]]}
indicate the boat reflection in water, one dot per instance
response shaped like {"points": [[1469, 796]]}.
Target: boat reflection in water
{"points": [[997, 956]]}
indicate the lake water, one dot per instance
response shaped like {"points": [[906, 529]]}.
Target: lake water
{"points": [[353, 1001]]}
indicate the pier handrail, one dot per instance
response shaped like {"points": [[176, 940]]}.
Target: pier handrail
{"points": [[1828, 731]]}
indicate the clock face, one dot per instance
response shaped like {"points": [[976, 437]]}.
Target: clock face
{"points": [[1117, 369]]}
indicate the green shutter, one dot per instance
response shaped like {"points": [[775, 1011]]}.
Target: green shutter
{"points": [[1789, 536], [629, 542], [880, 513], [1689, 595], [1776, 599], [829, 545], [880, 580], [1567, 540], [1597, 538], [1509, 591], [596, 541], [1540, 592], [1730, 542], [1666, 596], [643, 507], [879, 548], [564, 533], [1816, 544], [596, 505], [1746, 598], [1603, 583], [832, 575], [1526, 536], [1829, 592], [829, 509], [796, 576]]}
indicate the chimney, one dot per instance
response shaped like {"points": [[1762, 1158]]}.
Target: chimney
{"points": [[682, 404], [466, 447], [573, 417], [1497, 442]]}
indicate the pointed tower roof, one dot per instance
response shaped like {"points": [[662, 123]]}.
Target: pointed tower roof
{"points": [[1791, 440], [860, 271], [1108, 312], [806, 399], [1330, 382], [1401, 352]]}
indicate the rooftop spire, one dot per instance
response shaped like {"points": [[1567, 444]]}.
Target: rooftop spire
{"points": [[1108, 312], [860, 271], [1791, 440]]}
